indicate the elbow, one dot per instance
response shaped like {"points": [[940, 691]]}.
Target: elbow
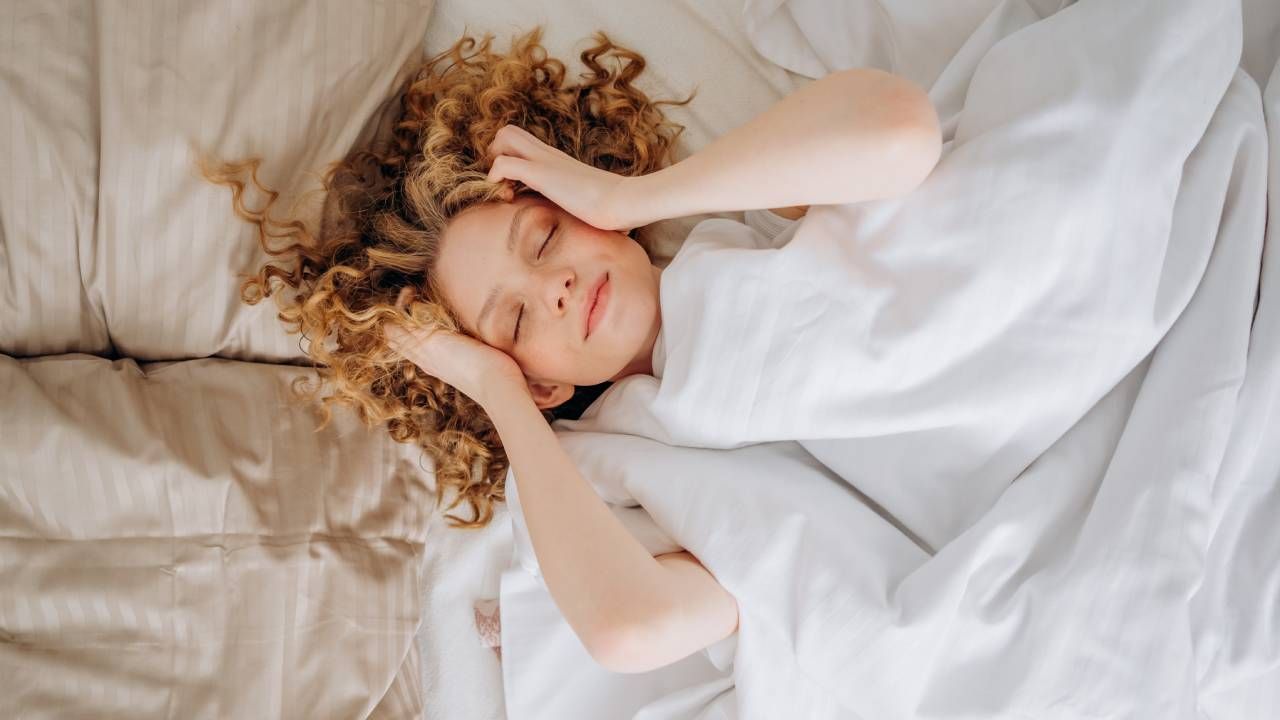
{"points": [[618, 648], [913, 139], [918, 149], [644, 646], [624, 648], [654, 632], [897, 125], [916, 138]]}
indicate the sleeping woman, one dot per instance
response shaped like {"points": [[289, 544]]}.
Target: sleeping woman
{"points": [[489, 266]]}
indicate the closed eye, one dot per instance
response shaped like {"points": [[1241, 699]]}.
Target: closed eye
{"points": [[548, 240], [516, 335]]}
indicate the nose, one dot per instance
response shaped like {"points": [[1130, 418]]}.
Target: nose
{"points": [[560, 286]]}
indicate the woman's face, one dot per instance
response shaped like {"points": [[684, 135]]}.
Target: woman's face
{"points": [[528, 262]]}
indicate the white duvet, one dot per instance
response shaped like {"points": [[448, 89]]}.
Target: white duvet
{"points": [[998, 448]]}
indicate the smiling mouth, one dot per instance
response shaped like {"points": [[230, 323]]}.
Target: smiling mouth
{"points": [[593, 300]]}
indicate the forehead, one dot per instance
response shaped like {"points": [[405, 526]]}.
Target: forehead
{"points": [[473, 258], [484, 228]]}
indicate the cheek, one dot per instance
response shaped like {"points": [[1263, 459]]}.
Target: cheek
{"points": [[541, 358]]}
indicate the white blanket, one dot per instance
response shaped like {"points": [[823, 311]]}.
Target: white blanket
{"points": [[928, 349], [1088, 510]]}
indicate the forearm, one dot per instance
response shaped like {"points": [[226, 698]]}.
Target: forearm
{"points": [[606, 584], [853, 135]]}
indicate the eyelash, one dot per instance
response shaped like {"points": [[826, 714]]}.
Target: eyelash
{"points": [[516, 335]]}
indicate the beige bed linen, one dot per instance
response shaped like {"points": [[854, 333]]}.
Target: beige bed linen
{"points": [[112, 243], [48, 178], [176, 541]]}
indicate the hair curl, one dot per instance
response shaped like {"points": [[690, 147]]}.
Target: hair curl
{"points": [[386, 207]]}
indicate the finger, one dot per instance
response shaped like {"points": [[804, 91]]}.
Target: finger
{"points": [[509, 140], [529, 140], [394, 336], [409, 337], [403, 298], [398, 337], [506, 167]]}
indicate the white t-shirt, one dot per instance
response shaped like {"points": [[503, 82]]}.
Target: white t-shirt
{"points": [[686, 288], [535, 638], [762, 229]]}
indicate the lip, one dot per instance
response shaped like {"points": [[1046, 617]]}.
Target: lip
{"points": [[595, 305]]}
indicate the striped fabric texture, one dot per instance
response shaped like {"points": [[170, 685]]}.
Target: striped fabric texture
{"points": [[112, 242], [176, 539]]}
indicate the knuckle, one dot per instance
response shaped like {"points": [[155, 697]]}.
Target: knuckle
{"points": [[507, 166]]}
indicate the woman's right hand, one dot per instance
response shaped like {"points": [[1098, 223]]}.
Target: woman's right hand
{"points": [[474, 368], [594, 196]]}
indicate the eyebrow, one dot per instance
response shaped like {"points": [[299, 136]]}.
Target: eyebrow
{"points": [[513, 233]]}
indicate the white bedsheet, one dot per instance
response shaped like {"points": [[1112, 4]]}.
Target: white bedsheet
{"points": [[1130, 570], [1236, 608]]}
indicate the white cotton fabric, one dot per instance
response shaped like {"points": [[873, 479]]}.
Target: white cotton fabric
{"points": [[933, 346], [1078, 525]]}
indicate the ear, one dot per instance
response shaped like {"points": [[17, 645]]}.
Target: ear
{"points": [[547, 395]]}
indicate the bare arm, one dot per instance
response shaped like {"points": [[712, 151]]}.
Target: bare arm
{"points": [[853, 135], [632, 612]]}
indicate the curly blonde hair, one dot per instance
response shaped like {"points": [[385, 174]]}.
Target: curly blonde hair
{"points": [[386, 206]]}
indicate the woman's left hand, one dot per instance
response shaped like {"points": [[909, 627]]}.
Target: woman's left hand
{"points": [[595, 196]]}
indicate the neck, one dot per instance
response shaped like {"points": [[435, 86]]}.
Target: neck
{"points": [[642, 363]]}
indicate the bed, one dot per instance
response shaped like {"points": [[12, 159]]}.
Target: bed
{"points": [[175, 538]]}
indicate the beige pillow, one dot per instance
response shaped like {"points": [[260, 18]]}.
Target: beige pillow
{"points": [[116, 243], [48, 179]]}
